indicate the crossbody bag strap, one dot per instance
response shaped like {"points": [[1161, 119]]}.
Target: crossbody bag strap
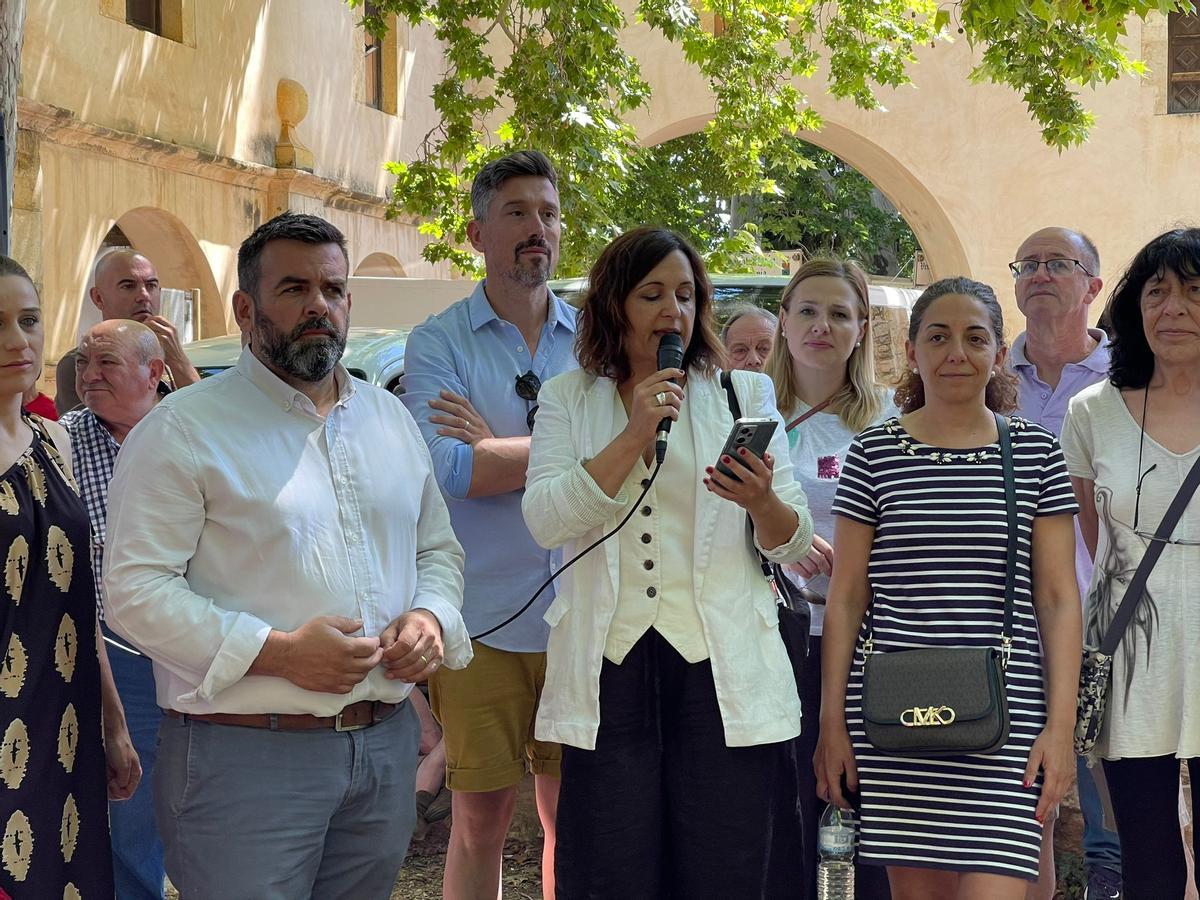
{"points": [[1010, 506], [805, 416], [1137, 584]]}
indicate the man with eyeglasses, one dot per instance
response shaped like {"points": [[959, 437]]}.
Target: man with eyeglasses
{"points": [[748, 335], [1056, 276], [472, 376]]}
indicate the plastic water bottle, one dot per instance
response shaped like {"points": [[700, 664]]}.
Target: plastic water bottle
{"points": [[835, 854]]}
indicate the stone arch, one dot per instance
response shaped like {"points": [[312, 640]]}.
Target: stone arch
{"points": [[380, 265], [168, 243], [921, 209]]}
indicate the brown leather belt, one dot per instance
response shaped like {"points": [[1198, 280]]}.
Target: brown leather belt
{"points": [[362, 714]]}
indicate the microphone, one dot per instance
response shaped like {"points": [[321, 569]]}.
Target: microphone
{"points": [[670, 356]]}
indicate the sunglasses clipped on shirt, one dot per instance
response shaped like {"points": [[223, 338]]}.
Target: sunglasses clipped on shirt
{"points": [[527, 388], [1149, 535]]}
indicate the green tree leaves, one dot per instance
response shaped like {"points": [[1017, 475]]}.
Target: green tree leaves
{"points": [[552, 74]]}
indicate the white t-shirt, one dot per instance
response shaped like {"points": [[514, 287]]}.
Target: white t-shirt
{"points": [[818, 445], [1154, 700]]}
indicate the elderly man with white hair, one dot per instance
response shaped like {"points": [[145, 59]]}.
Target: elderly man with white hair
{"points": [[119, 367]]}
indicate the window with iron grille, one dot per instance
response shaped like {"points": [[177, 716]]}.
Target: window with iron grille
{"points": [[1183, 69]]}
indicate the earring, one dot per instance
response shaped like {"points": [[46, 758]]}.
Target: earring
{"points": [[914, 371], [993, 375], [857, 344]]}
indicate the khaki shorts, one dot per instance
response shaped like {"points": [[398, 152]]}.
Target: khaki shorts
{"points": [[487, 712]]}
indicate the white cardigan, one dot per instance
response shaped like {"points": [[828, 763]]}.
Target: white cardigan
{"points": [[563, 506]]}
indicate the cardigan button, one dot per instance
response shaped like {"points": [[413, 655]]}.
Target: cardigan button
{"points": [[651, 592], [646, 510], [645, 538], [648, 565], [645, 482]]}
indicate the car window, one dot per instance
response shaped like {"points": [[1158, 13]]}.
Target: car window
{"points": [[728, 297]]}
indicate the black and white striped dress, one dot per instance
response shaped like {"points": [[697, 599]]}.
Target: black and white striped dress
{"points": [[937, 570]]}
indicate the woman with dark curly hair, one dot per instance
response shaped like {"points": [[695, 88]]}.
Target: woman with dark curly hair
{"points": [[1129, 444], [922, 539], [666, 678]]}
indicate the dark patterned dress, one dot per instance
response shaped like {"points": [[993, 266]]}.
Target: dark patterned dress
{"points": [[53, 801]]}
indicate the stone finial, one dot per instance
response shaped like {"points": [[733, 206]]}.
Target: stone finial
{"points": [[291, 101]]}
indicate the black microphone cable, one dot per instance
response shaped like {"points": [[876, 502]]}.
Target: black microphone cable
{"points": [[580, 555]]}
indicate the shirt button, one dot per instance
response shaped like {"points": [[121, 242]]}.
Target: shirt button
{"points": [[520, 349], [651, 592], [345, 479], [646, 510], [648, 565], [1044, 395], [645, 538]]}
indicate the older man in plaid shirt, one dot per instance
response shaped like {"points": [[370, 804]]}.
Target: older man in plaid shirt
{"points": [[119, 367]]}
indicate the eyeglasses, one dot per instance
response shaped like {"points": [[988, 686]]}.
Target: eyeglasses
{"points": [[527, 387], [1057, 267], [1146, 535], [1137, 491]]}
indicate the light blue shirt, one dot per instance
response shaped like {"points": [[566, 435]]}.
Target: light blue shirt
{"points": [[1047, 406], [471, 351]]}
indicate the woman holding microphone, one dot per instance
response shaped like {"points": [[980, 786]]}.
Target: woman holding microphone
{"points": [[667, 681]]}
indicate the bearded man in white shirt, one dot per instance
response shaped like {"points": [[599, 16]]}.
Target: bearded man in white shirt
{"points": [[278, 545]]}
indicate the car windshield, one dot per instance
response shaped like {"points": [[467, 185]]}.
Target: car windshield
{"points": [[726, 296]]}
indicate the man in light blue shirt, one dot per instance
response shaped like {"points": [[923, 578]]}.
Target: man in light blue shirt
{"points": [[472, 374], [1057, 276]]}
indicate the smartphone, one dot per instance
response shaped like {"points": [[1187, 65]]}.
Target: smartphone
{"points": [[752, 434]]}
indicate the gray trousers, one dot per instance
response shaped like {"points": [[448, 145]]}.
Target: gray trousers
{"points": [[254, 814]]}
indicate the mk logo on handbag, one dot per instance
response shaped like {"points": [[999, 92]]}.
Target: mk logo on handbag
{"points": [[921, 716]]}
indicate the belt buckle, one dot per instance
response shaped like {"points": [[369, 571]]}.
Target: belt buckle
{"points": [[338, 726]]}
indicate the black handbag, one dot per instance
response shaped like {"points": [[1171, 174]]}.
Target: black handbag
{"points": [[794, 616], [945, 701], [1095, 674]]}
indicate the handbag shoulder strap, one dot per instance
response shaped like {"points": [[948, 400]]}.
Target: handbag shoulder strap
{"points": [[735, 405], [1137, 584], [1010, 506]]}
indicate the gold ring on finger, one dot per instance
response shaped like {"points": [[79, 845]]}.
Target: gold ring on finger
{"points": [[424, 661]]}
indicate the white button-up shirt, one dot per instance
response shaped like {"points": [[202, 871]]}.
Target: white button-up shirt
{"points": [[236, 508]]}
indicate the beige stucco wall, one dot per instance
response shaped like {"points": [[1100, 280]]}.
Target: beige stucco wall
{"points": [[174, 141], [966, 166], [219, 95]]}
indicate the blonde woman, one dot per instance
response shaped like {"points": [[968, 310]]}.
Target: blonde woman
{"points": [[823, 367]]}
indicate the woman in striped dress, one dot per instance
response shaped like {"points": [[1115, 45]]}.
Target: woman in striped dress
{"points": [[922, 535]]}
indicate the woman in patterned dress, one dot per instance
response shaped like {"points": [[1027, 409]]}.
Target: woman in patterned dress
{"points": [[922, 535], [53, 766]]}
